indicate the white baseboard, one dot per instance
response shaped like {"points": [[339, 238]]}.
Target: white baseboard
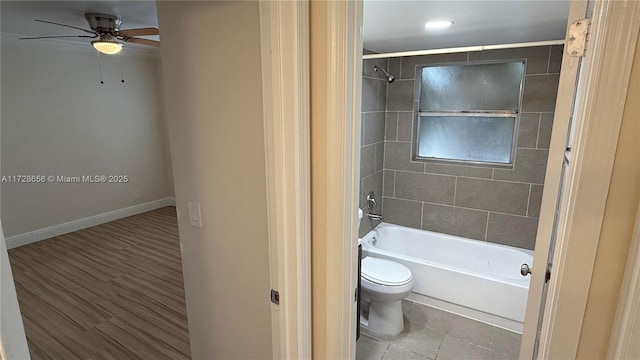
{"points": [[477, 315], [75, 225]]}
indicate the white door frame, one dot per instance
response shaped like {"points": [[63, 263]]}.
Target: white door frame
{"points": [[336, 48], [13, 340], [602, 94], [567, 88], [284, 29]]}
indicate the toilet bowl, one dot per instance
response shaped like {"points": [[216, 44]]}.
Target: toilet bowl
{"points": [[384, 284]]}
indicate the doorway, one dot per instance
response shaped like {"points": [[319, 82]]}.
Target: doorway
{"points": [[88, 207], [541, 271], [442, 179]]}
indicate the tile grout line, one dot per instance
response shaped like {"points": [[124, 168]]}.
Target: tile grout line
{"points": [[384, 153], [538, 133], [463, 207], [371, 175], [364, 131], [394, 184], [527, 148], [477, 178], [397, 124], [528, 200], [455, 190], [486, 229], [371, 112], [542, 74], [386, 350], [549, 60], [372, 78]]}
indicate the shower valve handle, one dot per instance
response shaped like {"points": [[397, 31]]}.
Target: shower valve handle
{"points": [[371, 200], [525, 270]]}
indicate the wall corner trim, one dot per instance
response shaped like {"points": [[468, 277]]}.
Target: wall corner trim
{"points": [[284, 28], [627, 322], [75, 225]]}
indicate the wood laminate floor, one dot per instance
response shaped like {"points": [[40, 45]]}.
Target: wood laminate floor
{"points": [[113, 291]]}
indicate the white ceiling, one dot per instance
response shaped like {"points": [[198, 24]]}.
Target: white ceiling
{"points": [[393, 26], [17, 16], [389, 25]]}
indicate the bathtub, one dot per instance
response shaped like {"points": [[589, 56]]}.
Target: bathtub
{"points": [[467, 274]]}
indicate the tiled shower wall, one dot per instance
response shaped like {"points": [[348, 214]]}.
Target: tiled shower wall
{"points": [[374, 98], [496, 205], [481, 203]]}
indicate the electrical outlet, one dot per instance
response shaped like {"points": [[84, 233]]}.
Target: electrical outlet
{"points": [[136, 194]]}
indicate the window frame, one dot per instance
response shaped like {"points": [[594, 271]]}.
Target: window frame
{"points": [[478, 113]]}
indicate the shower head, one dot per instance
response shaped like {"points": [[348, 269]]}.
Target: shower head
{"points": [[390, 78]]}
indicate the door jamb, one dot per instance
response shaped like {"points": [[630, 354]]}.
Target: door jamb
{"points": [[336, 70], [602, 93], [284, 29], [565, 102]]}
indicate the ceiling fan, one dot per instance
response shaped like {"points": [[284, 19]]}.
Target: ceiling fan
{"points": [[106, 28]]}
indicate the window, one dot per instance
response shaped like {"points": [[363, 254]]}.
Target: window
{"points": [[469, 112]]}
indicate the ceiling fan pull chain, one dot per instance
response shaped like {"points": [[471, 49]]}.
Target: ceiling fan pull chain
{"points": [[99, 67], [121, 67]]}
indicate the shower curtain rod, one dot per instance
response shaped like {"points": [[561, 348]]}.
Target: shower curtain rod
{"points": [[463, 49]]}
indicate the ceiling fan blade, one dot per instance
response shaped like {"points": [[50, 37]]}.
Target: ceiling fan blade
{"points": [[55, 37], [143, 41], [69, 26], [139, 32]]}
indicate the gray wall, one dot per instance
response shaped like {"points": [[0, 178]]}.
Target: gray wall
{"points": [[374, 98], [495, 205]]}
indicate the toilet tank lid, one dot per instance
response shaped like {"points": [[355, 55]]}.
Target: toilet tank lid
{"points": [[385, 272]]}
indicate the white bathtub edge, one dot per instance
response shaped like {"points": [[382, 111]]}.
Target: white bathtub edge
{"points": [[473, 314]]}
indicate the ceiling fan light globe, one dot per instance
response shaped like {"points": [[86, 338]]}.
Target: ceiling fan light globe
{"points": [[107, 47]]}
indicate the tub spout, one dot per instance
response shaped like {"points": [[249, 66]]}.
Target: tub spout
{"points": [[375, 217]]}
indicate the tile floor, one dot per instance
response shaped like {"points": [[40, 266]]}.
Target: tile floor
{"points": [[433, 334]]}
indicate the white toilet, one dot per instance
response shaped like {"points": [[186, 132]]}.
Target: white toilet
{"points": [[384, 284]]}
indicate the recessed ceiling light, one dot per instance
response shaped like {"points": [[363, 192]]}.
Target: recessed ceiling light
{"points": [[438, 24]]}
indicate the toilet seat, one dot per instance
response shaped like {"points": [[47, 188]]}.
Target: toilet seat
{"points": [[385, 272]]}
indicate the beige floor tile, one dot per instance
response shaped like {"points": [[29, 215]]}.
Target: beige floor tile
{"points": [[424, 342], [505, 343], [368, 348], [395, 353], [453, 348], [451, 324], [430, 333]]}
